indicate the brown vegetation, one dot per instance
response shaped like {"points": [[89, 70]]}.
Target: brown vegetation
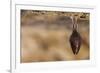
{"points": [[45, 36]]}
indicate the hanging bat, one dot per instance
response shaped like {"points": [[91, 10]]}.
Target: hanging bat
{"points": [[75, 38]]}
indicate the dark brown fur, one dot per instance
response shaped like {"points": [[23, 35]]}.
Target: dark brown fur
{"points": [[75, 41]]}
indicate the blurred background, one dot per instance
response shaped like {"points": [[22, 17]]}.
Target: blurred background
{"points": [[45, 36]]}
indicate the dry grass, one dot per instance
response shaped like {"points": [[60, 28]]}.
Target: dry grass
{"points": [[45, 37]]}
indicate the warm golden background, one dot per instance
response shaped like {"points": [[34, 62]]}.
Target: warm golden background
{"points": [[45, 36]]}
